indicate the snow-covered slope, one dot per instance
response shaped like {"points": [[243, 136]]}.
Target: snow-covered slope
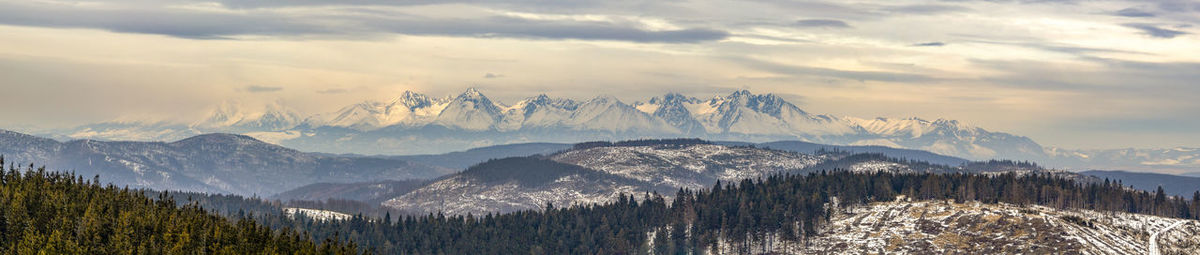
{"points": [[687, 166], [936, 227], [514, 184]]}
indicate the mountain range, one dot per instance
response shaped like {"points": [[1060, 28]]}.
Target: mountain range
{"points": [[414, 123]]}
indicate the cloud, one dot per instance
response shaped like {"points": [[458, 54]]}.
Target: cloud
{"points": [[195, 24], [1155, 31], [926, 9], [929, 44], [513, 27], [492, 76], [828, 23], [1133, 12], [794, 71], [332, 91], [262, 89]]}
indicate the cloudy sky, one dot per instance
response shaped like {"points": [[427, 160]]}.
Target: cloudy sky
{"points": [[1074, 74]]}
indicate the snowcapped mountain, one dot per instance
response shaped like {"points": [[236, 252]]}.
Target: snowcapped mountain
{"points": [[413, 123], [538, 112], [416, 124], [232, 117], [607, 114], [946, 137], [673, 108], [748, 114], [470, 111], [410, 109]]}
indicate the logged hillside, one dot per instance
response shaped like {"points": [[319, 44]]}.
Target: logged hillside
{"points": [[59, 213], [517, 184], [940, 227]]}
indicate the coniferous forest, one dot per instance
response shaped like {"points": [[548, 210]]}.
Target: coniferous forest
{"points": [[62, 213], [58, 213]]}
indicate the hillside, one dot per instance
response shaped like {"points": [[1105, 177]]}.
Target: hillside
{"points": [[220, 163], [598, 172], [929, 227], [58, 213], [517, 184], [838, 212], [462, 159]]}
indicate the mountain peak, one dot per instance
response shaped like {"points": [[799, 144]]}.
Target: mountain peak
{"points": [[231, 116], [605, 99], [472, 93], [413, 100]]}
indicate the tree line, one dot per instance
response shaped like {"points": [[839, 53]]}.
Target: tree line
{"points": [[59, 213], [789, 207]]}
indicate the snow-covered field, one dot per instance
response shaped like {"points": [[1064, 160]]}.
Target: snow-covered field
{"points": [[939, 227]]}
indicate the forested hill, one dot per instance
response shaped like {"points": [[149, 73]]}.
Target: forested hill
{"points": [[58, 213], [744, 216]]}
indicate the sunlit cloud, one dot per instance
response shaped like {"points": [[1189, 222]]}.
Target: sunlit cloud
{"points": [[1026, 67]]}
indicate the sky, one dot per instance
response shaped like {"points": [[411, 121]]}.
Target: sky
{"points": [[1071, 74]]}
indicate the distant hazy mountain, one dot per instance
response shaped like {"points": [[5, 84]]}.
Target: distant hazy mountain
{"points": [[209, 163], [1175, 185], [418, 124], [919, 155], [464, 159]]}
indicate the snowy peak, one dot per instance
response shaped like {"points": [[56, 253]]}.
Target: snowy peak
{"points": [[409, 109], [769, 104], [537, 112], [673, 109], [233, 117], [912, 127], [608, 114], [470, 110], [413, 100], [743, 112]]}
